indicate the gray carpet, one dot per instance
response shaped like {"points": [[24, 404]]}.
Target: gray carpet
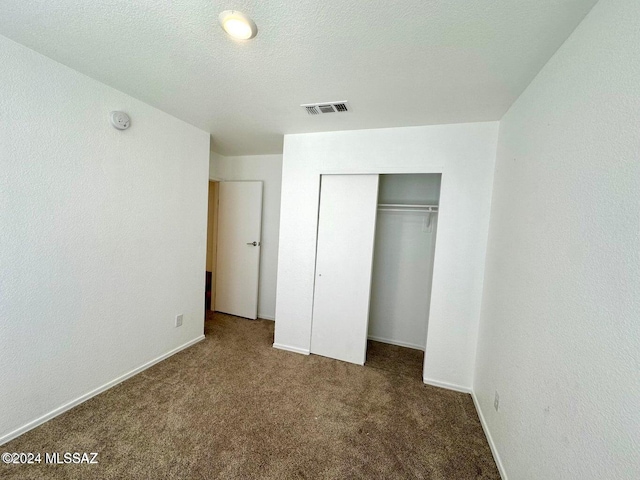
{"points": [[234, 407]]}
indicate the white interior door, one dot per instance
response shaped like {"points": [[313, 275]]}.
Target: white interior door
{"points": [[346, 231], [238, 255]]}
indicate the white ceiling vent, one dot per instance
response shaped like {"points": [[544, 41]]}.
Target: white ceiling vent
{"points": [[326, 107]]}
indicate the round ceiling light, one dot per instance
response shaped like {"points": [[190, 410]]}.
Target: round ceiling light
{"points": [[238, 25]]}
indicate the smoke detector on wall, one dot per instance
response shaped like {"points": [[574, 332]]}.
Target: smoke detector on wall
{"points": [[326, 107], [120, 120]]}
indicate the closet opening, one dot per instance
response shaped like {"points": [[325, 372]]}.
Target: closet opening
{"points": [[404, 249]]}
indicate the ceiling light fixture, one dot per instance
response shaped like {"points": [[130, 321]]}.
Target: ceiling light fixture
{"points": [[238, 25]]}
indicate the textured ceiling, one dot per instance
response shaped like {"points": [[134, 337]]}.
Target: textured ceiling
{"points": [[398, 63]]}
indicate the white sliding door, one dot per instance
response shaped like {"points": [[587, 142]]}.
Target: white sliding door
{"points": [[346, 231], [238, 256]]}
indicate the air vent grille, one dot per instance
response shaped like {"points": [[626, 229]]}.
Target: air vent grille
{"points": [[326, 107]]}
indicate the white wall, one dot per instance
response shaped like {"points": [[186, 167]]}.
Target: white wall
{"points": [[560, 329], [268, 169], [409, 189], [465, 154], [102, 236]]}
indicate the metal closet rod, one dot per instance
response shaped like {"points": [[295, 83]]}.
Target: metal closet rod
{"points": [[407, 207]]}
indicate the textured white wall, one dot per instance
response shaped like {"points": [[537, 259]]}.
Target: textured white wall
{"points": [[408, 189], [560, 329], [268, 169], [102, 238], [465, 154]]}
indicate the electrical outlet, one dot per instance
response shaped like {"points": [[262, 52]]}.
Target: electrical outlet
{"points": [[179, 320], [496, 401]]}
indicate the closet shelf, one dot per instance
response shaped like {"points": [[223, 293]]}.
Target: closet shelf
{"points": [[407, 207]]}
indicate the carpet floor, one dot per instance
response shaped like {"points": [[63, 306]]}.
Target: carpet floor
{"points": [[234, 407]]}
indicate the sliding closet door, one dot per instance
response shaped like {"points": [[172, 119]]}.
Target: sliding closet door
{"points": [[346, 231]]}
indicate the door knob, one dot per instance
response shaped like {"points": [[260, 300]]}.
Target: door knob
{"points": [[253, 244]]}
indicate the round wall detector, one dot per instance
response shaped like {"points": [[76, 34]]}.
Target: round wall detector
{"points": [[120, 120]]}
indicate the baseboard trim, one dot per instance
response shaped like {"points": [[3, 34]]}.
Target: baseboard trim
{"points": [[485, 428], [396, 342], [448, 386], [288, 348], [83, 398], [487, 433], [266, 317]]}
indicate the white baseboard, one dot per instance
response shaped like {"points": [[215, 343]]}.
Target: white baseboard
{"points": [[288, 348], [448, 386], [266, 317], [485, 428], [396, 342], [83, 398], [487, 433]]}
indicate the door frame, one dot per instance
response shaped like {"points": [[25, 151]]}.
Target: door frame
{"points": [[373, 170], [212, 306], [258, 241]]}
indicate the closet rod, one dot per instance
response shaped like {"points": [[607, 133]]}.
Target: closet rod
{"points": [[415, 210], [406, 207]]}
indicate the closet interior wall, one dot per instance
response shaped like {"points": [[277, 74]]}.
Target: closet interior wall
{"points": [[403, 260]]}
